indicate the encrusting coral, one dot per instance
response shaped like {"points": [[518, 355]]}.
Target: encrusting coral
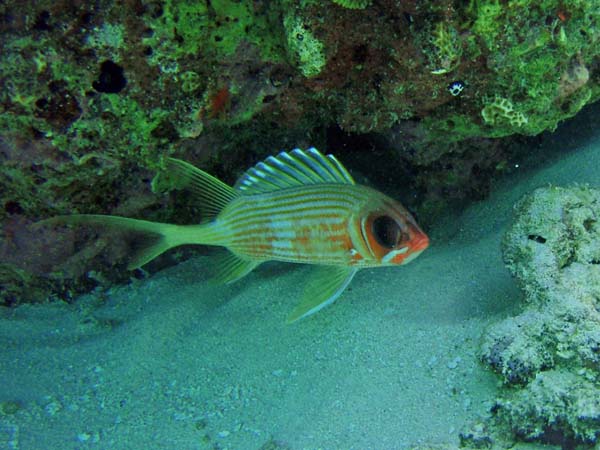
{"points": [[501, 111], [549, 355]]}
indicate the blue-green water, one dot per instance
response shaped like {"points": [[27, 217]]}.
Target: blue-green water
{"points": [[168, 362]]}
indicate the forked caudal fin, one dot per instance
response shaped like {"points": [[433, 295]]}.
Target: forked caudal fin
{"points": [[161, 236], [214, 196]]}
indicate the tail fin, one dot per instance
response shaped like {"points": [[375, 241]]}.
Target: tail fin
{"points": [[213, 194], [163, 236]]}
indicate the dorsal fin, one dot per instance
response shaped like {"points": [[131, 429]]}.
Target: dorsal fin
{"points": [[212, 192], [293, 169]]}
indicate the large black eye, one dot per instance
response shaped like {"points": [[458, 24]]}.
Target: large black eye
{"points": [[386, 230]]}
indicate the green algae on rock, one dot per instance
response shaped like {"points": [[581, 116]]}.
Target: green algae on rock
{"points": [[304, 47], [353, 4]]}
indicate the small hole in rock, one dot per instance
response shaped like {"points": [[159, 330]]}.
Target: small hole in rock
{"points": [[537, 238], [588, 224], [111, 79], [13, 207]]}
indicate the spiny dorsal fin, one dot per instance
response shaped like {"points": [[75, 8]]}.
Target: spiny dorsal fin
{"points": [[213, 193], [293, 169]]}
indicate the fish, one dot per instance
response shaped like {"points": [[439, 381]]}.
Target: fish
{"points": [[299, 206]]}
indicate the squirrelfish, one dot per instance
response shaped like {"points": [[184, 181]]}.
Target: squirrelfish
{"points": [[299, 207]]}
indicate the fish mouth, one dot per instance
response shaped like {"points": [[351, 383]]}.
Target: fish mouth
{"points": [[420, 243], [407, 254], [412, 255]]}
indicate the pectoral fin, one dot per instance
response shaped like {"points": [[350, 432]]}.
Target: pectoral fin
{"points": [[323, 288]]}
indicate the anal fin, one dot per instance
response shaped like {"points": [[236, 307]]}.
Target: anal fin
{"points": [[229, 268], [324, 287]]}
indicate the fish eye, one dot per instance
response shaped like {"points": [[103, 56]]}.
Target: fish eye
{"points": [[387, 231]]}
